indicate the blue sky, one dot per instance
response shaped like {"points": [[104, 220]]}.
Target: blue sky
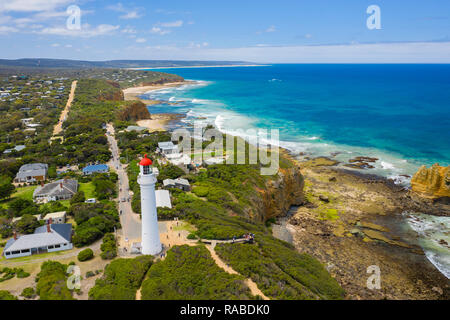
{"points": [[260, 31]]}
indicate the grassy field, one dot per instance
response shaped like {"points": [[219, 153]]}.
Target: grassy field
{"points": [[23, 192], [88, 188]]}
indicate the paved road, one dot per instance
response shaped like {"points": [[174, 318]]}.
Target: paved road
{"points": [[131, 224]]}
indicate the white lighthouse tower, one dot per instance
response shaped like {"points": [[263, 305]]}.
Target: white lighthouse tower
{"points": [[150, 243]]}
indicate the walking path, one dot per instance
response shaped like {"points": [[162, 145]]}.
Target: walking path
{"points": [[58, 127], [249, 282]]}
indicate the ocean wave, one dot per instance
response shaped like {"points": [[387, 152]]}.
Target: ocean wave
{"points": [[432, 230]]}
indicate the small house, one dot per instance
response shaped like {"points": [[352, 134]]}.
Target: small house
{"points": [[95, 168], [179, 183], [167, 148], [56, 217]]}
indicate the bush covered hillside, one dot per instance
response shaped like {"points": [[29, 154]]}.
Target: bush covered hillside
{"points": [[189, 273]]}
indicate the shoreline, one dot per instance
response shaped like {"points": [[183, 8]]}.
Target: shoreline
{"points": [[413, 272]]}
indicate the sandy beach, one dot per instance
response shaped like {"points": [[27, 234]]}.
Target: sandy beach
{"points": [[133, 93], [157, 121]]}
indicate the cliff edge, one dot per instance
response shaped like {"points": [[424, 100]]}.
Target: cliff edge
{"points": [[432, 183]]}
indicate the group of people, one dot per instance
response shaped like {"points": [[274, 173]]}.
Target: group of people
{"points": [[248, 237]]}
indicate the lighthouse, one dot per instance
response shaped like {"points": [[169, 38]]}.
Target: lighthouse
{"points": [[150, 235]]}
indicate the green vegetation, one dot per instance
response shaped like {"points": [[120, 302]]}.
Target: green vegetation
{"points": [[52, 282], [86, 254], [121, 279], [190, 273], [93, 221], [28, 293], [8, 273], [109, 247], [6, 295], [27, 224], [6, 187], [279, 271]]}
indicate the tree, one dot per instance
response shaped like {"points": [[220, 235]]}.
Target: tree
{"points": [[6, 188], [86, 254], [27, 224], [19, 204], [170, 172], [78, 197]]}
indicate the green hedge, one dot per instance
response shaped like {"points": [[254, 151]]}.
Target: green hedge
{"points": [[86, 254]]}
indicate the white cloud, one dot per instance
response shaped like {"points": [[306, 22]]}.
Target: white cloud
{"points": [[6, 29], [128, 13], [173, 24], [157, 30], [86, 31], [31, 5], [129, 30], [55, 45], [131, 15], [308, 36], [141, 40], [271, 29], [68, 46]]}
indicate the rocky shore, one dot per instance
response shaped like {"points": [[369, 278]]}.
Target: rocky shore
{"points": [[350, 221]]}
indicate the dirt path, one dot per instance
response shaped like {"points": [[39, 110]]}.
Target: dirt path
{"points": [[249, 282], [58, 128]]}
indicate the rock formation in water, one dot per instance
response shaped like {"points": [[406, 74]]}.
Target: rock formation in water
{"points": [[432, 183]]}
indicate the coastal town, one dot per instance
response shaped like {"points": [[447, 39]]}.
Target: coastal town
{"points": [[73, 160]]}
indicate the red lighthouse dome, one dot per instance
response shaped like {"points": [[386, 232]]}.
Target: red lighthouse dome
{"points": [[145, 161]]}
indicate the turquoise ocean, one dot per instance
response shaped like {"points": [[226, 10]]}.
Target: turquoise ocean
{"points": [[399, 113]]}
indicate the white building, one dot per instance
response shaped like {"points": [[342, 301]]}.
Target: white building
{"points": [[56, 217], [167, 148], [163, 199], [47, 238], [150, 242]]}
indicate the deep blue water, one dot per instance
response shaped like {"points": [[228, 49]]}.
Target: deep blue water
{"points": [[399, 113]]}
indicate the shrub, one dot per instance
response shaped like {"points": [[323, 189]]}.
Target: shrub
{"points": [[52, 282], [22, 274], [200, 191], [90, 274], [191, 273], [86, 254], [121, 279], [108, 247], [78, 197], [6, 295], [28, 293]]}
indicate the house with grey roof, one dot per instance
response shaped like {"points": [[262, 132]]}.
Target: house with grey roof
{"points": [[32, 172], [63, 189], [179, 183], [16, 148], [167, 148], [47, 238]]}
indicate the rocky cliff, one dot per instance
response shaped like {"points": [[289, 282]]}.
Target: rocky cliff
{"points": [[432, 183], [134, 112], [280, 193]]}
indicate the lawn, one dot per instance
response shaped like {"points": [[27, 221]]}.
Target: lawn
{"points": [[23, 192], [88, 188]]}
